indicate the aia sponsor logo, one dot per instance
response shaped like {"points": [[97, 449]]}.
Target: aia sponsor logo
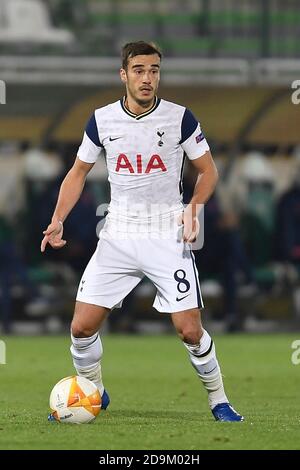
{"points": [[139, 166]]}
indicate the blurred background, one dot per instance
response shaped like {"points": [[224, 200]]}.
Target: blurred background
{"points": [[233, 63]]}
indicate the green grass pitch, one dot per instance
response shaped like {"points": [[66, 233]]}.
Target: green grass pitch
{"points": [[157, 401]]}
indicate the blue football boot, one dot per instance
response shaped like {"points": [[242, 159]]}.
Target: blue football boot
{"points": [[51, 417], [105, 400], [225, 412]]}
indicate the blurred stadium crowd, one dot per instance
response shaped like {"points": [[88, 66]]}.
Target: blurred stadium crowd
{"points": [[252, 236], [208, 28], [250, 263]]}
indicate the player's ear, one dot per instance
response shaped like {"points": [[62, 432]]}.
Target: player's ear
{"points": [[123, 75]]}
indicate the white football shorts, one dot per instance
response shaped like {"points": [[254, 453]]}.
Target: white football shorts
{"points": [[120, 263]]}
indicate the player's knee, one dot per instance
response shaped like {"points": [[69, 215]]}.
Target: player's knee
{"points": [[190, 336], [80, 331]]}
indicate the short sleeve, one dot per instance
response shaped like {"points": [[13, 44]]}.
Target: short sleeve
{"points": [[90, 148], [192, 140]]}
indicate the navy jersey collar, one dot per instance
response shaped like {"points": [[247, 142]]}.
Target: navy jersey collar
{"points": [[139, 116]]}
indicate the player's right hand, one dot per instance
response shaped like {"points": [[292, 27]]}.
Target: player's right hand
{"points": [[53, 235]]}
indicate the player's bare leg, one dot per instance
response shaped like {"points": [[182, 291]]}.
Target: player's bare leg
{"points": [[88, 319], [86, 346], [202, 354]]}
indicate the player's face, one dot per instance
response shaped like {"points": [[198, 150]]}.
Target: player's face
{"points": [[142, 78]]}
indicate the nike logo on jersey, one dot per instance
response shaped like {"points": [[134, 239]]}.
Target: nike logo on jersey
{"points": [[181, 298], [111, 139]]}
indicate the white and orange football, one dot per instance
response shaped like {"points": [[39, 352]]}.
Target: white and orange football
{"points": [[74, 400]]}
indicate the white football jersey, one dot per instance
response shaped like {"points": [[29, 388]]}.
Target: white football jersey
{"points": [[144, 155]]}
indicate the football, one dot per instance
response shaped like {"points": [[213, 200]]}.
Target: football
{"points": [[74, 400]]}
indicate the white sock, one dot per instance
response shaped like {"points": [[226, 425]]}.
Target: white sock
{"points": [[204, 360], [87, 353]]}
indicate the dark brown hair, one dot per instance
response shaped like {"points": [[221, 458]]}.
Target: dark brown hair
{"points": [[131, 49]]}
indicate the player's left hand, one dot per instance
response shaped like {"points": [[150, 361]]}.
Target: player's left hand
{"points": [[191, 226]]}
